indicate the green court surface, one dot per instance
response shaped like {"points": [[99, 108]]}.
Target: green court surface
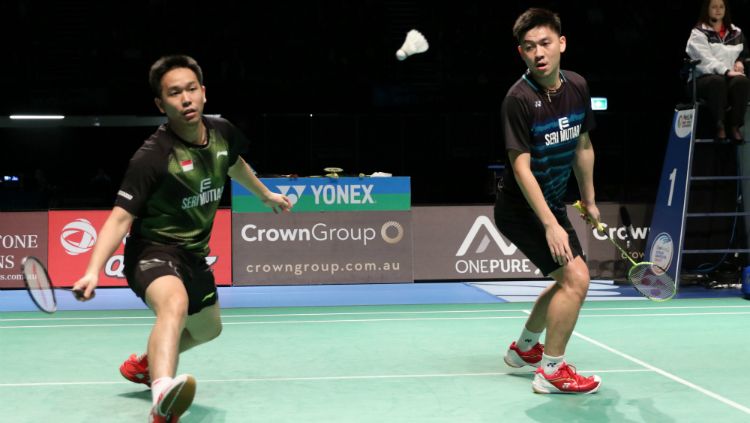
{"points": [[680, 361]]}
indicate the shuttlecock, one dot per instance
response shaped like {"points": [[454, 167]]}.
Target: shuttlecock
{"points": [[415, 43]]}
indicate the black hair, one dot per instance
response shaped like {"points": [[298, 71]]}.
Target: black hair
{"points": [[166, 64], [533, 18]]}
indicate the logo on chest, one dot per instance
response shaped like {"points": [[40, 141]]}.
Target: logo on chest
{"points": [[207, 195], [564, 132]]}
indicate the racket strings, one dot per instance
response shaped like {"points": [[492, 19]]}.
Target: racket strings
{"points": [[652, 282], [39, 286]]}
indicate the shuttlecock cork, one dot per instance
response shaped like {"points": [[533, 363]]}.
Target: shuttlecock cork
{"points": [[415, 43]]}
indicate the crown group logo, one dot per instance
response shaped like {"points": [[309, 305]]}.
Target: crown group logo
{"points": [[78, 237]]}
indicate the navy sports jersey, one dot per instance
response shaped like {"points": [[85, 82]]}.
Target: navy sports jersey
{"points": [[173, 187], [547, 126]]}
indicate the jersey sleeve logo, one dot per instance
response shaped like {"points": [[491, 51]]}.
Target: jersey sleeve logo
{"points": [[125, 195]]}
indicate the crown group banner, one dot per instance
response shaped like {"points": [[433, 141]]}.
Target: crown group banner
{"points": [[341, 231]]}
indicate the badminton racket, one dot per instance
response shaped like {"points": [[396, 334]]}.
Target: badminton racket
{"points": [[649, 279], [39, 285]]}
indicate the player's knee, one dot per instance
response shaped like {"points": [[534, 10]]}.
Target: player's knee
{"points": [[577, 280], [207, 333]]}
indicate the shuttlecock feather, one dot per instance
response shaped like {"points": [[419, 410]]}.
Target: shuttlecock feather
{"points": [[415, 43]]}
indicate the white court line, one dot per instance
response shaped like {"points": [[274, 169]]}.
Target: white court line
{"points": [[311, 378], [664, 373], [292, 322], [374, 313], [225, 316]]}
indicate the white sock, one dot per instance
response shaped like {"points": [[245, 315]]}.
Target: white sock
{"points": [[527, 339], [550, 364], [158, 386]]}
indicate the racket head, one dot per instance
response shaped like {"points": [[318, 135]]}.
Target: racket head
{"points": [[652, 281], [38, 284]]}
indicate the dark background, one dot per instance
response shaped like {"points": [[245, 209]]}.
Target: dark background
{"points": [[316, 84]]}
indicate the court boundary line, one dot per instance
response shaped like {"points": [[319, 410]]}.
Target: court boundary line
{"points": [[312, 378], [360, 313], [288, 322]]}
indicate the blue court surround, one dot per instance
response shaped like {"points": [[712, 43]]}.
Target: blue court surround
{"points": [[361, 294]]}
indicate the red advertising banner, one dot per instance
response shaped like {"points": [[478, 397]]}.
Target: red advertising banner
{"points": [[73, 234], [21, 234]]}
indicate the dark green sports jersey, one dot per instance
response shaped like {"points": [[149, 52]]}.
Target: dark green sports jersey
{"points": [[174, 187]]}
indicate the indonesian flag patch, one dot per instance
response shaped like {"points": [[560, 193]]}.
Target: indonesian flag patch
{"points": [[187, 165]]}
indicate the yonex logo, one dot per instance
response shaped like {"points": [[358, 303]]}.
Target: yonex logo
{"points": [[293, 196], [78, 237], [489, 232]]}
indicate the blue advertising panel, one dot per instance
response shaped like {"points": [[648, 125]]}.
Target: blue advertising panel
{"points": [[665, 239]]}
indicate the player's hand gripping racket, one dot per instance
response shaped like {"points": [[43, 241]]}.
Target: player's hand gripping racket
{"points": [[39, 285], [648, 278]]}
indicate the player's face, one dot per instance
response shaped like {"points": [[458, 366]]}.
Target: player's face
{"points": [[182, 96], [540, 49], [716, 10]]}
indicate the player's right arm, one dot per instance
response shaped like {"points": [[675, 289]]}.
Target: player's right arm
{"points": [[557, 237], [111, 235]]}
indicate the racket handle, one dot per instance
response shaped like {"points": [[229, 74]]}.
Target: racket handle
{"points": [[581, 208]]}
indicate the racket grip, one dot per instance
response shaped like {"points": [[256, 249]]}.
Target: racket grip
{"points": [[581, 208]]}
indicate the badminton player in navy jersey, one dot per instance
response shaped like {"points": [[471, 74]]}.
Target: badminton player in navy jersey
{"points": [[168, 200], [546, 117]]}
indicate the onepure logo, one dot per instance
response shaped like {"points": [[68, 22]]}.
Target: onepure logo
{"points": [[78, 237], [483, 222], [486, 266]]}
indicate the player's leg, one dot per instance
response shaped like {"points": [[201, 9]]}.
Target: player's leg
{"points": [[518, 223], [204, 318], [554, 375], [172, 395], [564, 303], [201, 327], [168, 299]]}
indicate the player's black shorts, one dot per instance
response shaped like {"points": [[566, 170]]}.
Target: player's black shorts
{"points": [[146, 262], [518, 222]]}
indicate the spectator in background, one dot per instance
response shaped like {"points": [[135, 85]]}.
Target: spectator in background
{"points": [[721, 81]]}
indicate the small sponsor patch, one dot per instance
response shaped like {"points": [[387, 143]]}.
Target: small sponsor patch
{"points": [[187, 165], [125, 195]]}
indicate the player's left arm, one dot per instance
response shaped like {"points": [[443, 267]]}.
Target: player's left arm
{"points": [[240, 171], [583, 167]]}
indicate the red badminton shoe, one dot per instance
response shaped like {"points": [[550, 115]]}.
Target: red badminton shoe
{"points": [[564, 381], [174, 401], [135, 369], [514, 357]]}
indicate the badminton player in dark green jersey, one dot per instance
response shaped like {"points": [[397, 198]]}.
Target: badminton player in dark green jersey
{"points": [[546, 119], [167, 201]]}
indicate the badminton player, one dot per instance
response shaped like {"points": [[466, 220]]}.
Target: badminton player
{"points": [[546, 117], [168, 200]]}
